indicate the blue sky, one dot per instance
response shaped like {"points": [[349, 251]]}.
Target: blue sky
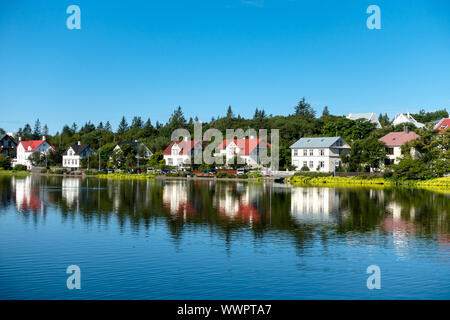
{"points": [[147, 57]]}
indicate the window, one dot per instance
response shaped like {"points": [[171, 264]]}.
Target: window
{"points": [[311, 164], [444, 126], [305, 152], [311, 152], [305, 163], [295, 152], [322, 164], [322, 152], [169, 161], [390, 151]]}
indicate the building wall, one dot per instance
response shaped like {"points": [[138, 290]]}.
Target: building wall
{"points": [[327, 157]]}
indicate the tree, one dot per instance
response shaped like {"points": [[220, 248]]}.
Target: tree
{"points": [[74, 128], [37, 129], [136, 123], [45, 130], [177, 119], [37, 158], [27, 133], [384, 120], [230, 114], [425, 117], [325, 112], [108, 126], [123, 126], [304, 109], [5, 162]]}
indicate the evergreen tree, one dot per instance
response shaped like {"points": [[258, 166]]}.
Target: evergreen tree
{"points": [[177, 119], [230, 114], [74, 128], [37, 129], [45, 130], [325, 112], [100, 126], [27, 133], [123, 126], [136, 123], [108, 126], [304, 109]]}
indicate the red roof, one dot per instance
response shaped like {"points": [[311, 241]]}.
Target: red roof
{"points": [[396, 139], [443, 125], [246, 146], [33, 144], [185, 147]]}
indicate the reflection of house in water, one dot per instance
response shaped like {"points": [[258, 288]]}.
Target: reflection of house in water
{"points": [[27, 197], [175, 199], [314, 204], [71, 190], [400, 228], [238, 203]]}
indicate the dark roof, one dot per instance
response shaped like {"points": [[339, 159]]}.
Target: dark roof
{"points": [[78, 148], [133, 143], [3, 136]]}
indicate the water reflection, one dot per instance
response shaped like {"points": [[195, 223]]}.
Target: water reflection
{"points": [[404, 213]]}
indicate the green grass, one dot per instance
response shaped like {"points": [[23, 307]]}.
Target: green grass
{"points": [[125, 176], [20, 172]]}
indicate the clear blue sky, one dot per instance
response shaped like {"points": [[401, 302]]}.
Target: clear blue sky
{"points": [[147, 57]]}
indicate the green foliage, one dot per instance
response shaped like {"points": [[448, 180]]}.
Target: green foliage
{"points": [[425, 117], [5, 162]]}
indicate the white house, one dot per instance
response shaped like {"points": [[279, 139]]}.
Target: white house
{"points": [[179, 153], [73, 155], [143, 152], [394, 142], [250, 150], [372, 117], [406, 118], [26, 148], [319, 154]]}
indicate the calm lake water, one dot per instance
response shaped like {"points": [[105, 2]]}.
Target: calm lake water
{"points": [[219, 240]]}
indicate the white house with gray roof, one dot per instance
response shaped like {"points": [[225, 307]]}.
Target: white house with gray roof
{"points": [[371, 116], [73, 155], [321, 154]]}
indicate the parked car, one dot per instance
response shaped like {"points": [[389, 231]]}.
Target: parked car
{"points": [[240, 171], [149, 170], [212, 171], [165, 171], [110, 171], [174, 171]]}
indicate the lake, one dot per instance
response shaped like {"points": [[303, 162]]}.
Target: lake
{"points": [[175, 239]]}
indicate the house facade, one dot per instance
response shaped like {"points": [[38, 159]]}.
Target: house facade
{"points": [[8, 144], [319, 154], [372, 117], [394, 142], [250, 150], [406, 118], [26, 148], [180, 153], [73, 155]]}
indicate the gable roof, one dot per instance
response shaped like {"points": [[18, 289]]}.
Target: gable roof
{"points": [[31, 145], [5, 135], [406, 118], [371, 116], [185, 147], [316, 142], [78, 148], [246, 146], [443, 124], [397, 139]]}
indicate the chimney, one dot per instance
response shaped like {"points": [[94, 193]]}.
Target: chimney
{"points": [[43, 138], [79, 142]]}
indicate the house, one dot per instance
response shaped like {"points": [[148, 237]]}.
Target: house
{"points": [[250, 150], [319, 154], [179, 153], [8, 144], [372, 117], [442, 125], [26, 148], [394, 142], [73, 155], [406, 118]]}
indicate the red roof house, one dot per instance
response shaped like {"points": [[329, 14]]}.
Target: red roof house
{"points": [[186, 147], [397, 139], [246, 146], [443, 125]]}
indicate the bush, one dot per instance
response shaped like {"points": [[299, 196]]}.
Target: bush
{"points": [[313, 174], [225, 175], [90, 173], [304, 168], [20, 167], [5, 162]]}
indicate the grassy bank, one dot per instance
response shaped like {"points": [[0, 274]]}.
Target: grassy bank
{"points": [[310, 180], [123, 176], [18, 172]]}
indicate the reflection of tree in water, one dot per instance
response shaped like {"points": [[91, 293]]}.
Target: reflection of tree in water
{"points": [[228, 209]]}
